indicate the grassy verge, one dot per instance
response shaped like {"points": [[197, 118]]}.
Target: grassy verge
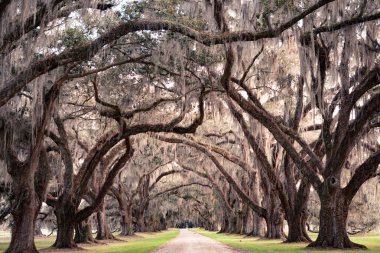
{"points": [[252, 244], [141, 243]]}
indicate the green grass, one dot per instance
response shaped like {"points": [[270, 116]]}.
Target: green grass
{"points": [[142, 243], [252, 244]]}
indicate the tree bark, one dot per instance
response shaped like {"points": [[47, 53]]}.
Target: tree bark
{"points": [[141, 222], [83, 232], [65, 211], [297, 227], [24, 216], [225, 223], [298, 216], [104, 232], [232, 225], [333, 218], [258, 226], [126, 220], [274, 228], [29, 183]]}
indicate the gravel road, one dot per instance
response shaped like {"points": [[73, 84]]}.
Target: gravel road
{"points": [[189, 242]]}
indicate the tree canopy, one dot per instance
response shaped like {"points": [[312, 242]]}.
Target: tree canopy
{"points": [[242, 116]]}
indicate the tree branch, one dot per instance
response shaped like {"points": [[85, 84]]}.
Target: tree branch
{"points": [[86, 212], [364, 172], [172, 139], [176, 188], [16, 84]]}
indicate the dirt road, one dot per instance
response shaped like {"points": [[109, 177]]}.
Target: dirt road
{"points": [[189, 242]]}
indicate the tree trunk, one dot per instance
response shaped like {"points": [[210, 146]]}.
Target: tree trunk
{"points": [[141, 222], [104, 232], [247, 220], [233, 225], [333, 218], [225, 223], [274, 218], [126, 221], [239, 224], [274, 222], [65, 214], [24, 216], [258, 226], [298, 217], [229, 225], [83, 232], [274, 229], [29, 189], [163, 224], [297, 227]]}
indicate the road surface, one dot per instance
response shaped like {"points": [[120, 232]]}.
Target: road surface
{"points": [[189, 242]]}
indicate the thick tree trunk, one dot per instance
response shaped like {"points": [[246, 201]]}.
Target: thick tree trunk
{"points": [[65, 214], [298, 217], [233, 225], [239, 224], [126, 222], [163, 224], [24, 216], [229, 225], [209, 226], [274, 223], [333, 219], [275, 217], [297, 227], [247, 220], [258, 226], [225, 223], [274, 229], [83, 232], [29, 189], [141, 223], [104, 233], [126, 229]]}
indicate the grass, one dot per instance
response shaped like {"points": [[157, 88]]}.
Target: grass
{"points": [[141, 243], [252, 244]]}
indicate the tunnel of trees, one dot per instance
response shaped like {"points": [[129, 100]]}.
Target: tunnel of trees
{"points": [[253, 117]]}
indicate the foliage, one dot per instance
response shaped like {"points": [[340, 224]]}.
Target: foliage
{"points": [[72, 37], [163, 9]]}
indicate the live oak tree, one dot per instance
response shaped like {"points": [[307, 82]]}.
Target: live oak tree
{"points": [[335, 141], [337, 43], [53, 94], [360, 83]]}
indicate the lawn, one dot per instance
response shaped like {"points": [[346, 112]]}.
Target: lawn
{"points": [[252, 244], [141, 243]]}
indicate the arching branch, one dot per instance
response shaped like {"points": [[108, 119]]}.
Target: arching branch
{"points": [[172, 189], [173, 139], [87, 51], [214, 185], [162, 175], [364, 172], [279, 131], [83, 214]]}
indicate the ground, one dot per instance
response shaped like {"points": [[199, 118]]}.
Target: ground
{"points": [[190, 242], [250, 244], [141, 243]]}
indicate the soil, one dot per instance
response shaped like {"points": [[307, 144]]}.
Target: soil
{"points": [[189, 242]]}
